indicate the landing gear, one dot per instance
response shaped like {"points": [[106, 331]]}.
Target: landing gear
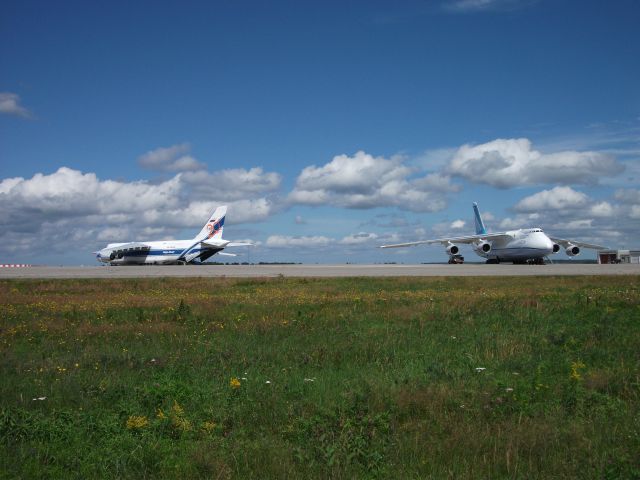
{"points": [[455, 259], [530, 261], [493, 261]]}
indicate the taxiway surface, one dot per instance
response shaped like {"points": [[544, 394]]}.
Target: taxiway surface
{"points": [[258, 271]]}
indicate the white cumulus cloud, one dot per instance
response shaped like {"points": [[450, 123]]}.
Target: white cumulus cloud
{"points": [[365, 181], [566, 213], [10, 105], [175, 158], [359, 238], [80, 210], [285, 241], [234, 183], [558, 198], [506, 163]]}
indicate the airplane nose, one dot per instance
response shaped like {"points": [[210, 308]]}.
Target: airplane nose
{"points": [[547, 245]]}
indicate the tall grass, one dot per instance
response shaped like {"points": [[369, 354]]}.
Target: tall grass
{"points": [[328, 378]]}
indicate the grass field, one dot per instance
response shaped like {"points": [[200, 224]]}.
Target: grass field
{"points": [[331, 378]]}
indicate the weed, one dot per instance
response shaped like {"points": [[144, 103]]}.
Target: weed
{"points": [[320, 378]]}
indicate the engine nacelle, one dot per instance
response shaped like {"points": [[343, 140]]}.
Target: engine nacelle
{"points": [[482, 246], [452, 249], [572, 250], [556, 248]]}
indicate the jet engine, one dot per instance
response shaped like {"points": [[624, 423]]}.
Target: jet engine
{"points": [[556, 248], [482, 246], [452, 249], [572, 250]]}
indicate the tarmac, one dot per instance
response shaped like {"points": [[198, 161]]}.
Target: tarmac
{"points": [[310, 271]]}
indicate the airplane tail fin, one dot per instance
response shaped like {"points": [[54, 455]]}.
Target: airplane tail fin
{"points": [[213, 228], [480, 229]]}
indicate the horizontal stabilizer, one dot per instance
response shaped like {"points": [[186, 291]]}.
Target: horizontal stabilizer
{"points": [[214, 243], [240, 244]]}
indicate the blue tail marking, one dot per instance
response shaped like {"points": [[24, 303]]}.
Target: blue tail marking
{"points": [[480, 229]]}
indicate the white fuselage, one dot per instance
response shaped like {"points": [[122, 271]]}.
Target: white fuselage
{"points": [[524, 244], [158, 253]]}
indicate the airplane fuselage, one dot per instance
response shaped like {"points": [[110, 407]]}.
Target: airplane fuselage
{"points": [[159, 253], [524, 244]]}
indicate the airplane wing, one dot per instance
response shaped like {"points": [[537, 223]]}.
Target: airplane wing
{"points": [[446, 241], [240, 244], [566, 243]]}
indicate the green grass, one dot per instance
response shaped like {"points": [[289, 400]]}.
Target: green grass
{"points": [[369, 378]]}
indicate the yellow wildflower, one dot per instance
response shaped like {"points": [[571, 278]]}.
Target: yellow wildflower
{"points": [[135, 422], [181, 424], [575, 371], [160, 414], [177, 409], [208, 426], [235, 383]]}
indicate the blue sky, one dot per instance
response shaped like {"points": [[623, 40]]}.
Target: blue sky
{"points": [[328, 128]]}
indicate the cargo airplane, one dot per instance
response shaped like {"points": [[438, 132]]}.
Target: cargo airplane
{"points": [[171, 252], [527, 245]]}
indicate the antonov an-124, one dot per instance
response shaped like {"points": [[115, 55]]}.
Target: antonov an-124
{"points": [[527, 245], [173, 252]]}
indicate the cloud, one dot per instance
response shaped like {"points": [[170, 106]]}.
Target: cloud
{"points": [[351, 242], [566, 213], [602, 209], [457, 224], [364, 181], [79, 210], [628, 196], [506, 163], [470, 6], [175, 158], [10, 105], [235, 183], [284, 241], [359, 238], [70, 193], [558, 198]]}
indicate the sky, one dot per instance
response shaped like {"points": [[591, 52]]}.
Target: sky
{"points": [[328, 128]]}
